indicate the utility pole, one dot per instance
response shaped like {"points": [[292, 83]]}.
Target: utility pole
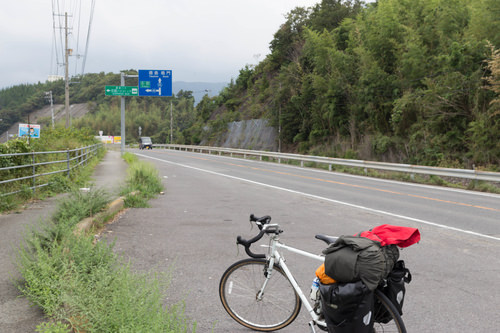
{"points": [[66, 76]]}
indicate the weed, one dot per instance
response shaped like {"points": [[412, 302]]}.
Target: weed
{"points": [[86, 285], [80, 205], [142, 183], [52, 327]]}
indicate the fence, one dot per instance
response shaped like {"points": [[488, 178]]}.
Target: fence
{"points": [[30, 163], [405, 168]]}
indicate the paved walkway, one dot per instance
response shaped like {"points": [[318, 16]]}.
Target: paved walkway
{"points": [[16, 313]]}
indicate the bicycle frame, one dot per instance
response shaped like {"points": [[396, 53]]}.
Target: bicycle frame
{"points": [[384, 314], [275, 257]]}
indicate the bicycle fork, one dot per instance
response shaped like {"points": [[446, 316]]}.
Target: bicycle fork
{"points": [[268, 272]]}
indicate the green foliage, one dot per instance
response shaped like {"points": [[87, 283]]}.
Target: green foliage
{"points": [[130, 158], [152, 114], [79, 205], [142, 183], [409, 73], [14, 147], [53, 140], [82, 286], [50, 327]]}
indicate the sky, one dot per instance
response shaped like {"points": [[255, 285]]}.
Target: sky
{"points": [[199, 40]]}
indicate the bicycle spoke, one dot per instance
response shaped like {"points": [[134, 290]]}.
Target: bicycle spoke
{"points": [[240, 285]]}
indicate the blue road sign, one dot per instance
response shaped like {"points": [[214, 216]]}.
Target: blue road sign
{"points": [[155, 82]]}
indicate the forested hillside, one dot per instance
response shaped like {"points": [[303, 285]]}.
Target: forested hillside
{"points": [[151, 114], [399, 80], [413, 81]]}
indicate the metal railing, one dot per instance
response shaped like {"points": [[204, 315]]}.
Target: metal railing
{"points": [[330, 161], [34, 162]]}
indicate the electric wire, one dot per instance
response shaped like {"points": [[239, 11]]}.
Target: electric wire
{"points": [[54, 42], [60, 30], [74, 10], [88, 36], [77, 50]]}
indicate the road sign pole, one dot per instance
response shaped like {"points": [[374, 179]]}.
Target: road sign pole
{"points": [[122, 82]]}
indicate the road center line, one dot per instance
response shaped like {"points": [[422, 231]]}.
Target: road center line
{"points": [[371, 188], [442, 226]]}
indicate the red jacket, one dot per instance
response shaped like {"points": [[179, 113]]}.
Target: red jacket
{"points": [[388, 234]]}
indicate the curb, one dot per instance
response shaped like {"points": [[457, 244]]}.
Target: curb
{"points": [[97, 220]]}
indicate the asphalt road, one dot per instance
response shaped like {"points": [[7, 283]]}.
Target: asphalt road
{"points": [[192, 229]]}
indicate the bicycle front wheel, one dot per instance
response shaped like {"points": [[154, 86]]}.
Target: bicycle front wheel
{"points": [[238, 290], [387, 318]]}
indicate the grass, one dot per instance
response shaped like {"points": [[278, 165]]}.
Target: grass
{"points": [[83, 286], [142, 183], [57, 183]]}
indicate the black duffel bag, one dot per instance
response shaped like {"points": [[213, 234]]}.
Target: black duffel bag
{"points": [[353, 258], [347, 307]]}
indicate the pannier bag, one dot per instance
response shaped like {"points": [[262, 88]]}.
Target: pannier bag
{"points": [[395, 290], [347, 307]]}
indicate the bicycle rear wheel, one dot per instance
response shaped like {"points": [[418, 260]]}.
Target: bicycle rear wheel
{"points": [[387, 318], [238, 290]]}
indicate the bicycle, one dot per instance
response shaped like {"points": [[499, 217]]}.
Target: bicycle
{"points": [[261, 293]]}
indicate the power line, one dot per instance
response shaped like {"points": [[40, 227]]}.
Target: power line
{"points": [[77, 11], [88, 36], [78, 36]]}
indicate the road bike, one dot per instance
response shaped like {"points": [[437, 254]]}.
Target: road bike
{"points": [[261, 292]]}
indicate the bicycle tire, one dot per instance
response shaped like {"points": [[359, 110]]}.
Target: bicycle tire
{"points": [[238, 289], [394, 323]]}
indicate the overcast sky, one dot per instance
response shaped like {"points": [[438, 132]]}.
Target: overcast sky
{"points": [[199, 40]]}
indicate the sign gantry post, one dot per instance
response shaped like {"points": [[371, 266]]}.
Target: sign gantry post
{"points": [[124, 90]]}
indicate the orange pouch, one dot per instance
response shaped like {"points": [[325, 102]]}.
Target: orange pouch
{"points": [[323, 278]]}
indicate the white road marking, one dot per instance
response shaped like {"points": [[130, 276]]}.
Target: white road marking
{"points": [[469, 232]]}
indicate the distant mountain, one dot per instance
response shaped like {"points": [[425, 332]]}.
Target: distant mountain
{"points": [[199, 89]]}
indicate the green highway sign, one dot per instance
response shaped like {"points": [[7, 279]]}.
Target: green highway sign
{"points": [[121, 91]]}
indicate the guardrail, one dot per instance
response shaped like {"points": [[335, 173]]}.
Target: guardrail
{"points": [[70, 158], [405, 168]]}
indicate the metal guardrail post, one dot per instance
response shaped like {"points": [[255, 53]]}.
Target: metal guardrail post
{"points": [[67, 158], [34, 171]]}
